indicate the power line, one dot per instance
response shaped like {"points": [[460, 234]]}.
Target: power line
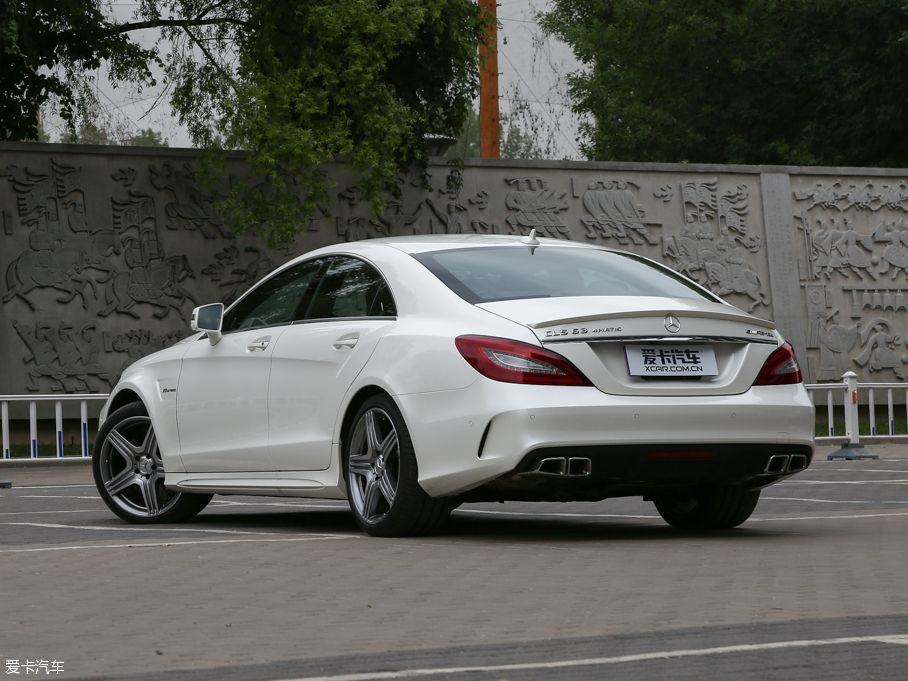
{"points": [[536, 99]]}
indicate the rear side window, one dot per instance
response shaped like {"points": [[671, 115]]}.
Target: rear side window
{"points": [[351, 288], [484, 275], [383, 305]]}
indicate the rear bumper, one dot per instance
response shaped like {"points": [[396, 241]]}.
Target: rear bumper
{"points": [[593, 472], [466, 438]]}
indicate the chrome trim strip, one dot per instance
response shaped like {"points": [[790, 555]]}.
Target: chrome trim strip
{"points": [[661, 339]]}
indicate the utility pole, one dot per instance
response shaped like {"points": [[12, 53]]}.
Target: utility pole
{"points": [[489, 139]]}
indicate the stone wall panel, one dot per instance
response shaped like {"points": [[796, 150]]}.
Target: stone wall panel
{"points": [[105, 251]]}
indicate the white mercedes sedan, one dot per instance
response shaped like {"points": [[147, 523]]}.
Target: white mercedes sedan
{"points": [[410, 375]]}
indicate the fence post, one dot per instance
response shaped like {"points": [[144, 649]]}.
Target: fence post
{"points": [[872, 405], [4, 418], [853, 449], [33, 428], [58, 416], [83, 410]]}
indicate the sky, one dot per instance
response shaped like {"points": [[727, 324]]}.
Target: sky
{"points": [[532, 69]]}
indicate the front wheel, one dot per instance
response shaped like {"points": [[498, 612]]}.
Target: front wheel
{"points": [[129, 472], [381, 475], [718, 507]]}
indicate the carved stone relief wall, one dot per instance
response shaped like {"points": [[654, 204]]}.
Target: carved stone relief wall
{"points": [[103, 257], [105, 251], [853, 269]]}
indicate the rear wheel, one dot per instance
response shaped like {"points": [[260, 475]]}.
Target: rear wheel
{"points": [[718, 507], [381, 475], [129, 472]]}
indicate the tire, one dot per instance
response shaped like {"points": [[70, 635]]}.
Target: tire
{"points": [[718, 507], [381, 473], [129, 472]]}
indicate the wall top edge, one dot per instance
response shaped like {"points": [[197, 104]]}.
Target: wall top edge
{"points": [[110, 150], [675, 167]]}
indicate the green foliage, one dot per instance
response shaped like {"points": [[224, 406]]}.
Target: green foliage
{"points": [[299, 84], [468, 142], [296, 84], [88, 133], [148, 138], [814, 82], [515, 142], [41, 134], [47, 46], [99, 132]]}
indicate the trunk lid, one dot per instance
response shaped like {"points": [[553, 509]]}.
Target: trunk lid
{"points": [[594, 333]]}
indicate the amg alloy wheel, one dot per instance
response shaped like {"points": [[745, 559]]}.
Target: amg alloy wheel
{"points": [[381, 475], [374, 465], [129, 472]]}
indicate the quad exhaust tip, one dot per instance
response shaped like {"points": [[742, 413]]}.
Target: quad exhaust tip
{"points": [[786, 463], [574, 467]]}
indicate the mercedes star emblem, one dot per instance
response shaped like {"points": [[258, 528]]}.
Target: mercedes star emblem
{"points": [[672, 325]]}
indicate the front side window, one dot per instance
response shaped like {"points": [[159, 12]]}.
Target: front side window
{"points": [[484, 275], [277, 300], [351, 288]]}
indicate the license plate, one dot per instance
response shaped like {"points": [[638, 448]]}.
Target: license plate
{"points": [[670, 361]]}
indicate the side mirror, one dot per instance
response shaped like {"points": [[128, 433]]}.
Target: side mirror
{"points": [[208, 318]]}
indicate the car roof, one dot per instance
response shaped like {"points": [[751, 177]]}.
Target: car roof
{"points": [[438, 242]]}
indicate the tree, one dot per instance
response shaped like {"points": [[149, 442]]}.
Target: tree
{"points": [[294, 83], [515, 142], [814, 82], [47, 48], [101, 132], [89, 133], [468, 143], [148, 138]]}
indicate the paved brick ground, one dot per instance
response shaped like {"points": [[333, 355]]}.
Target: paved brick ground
{"points": [[259, 581]]}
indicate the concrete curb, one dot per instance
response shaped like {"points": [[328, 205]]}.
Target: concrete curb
{"points": [[45, 462]]}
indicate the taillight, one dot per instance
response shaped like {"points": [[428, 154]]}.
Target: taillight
{"points": [[781, 368], [515, 362]]}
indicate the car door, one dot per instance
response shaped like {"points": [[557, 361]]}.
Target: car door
{"points": [[222, 396], [317, 358]]}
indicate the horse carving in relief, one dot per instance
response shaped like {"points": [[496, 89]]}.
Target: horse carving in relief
{"points": [[157, 284]]}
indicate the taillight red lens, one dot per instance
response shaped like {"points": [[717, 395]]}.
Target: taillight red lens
{"points": [[515, 362], [781, 368]]}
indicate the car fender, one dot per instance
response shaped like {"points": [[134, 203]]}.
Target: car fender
{"points": [[156, 386], [421, 358]]}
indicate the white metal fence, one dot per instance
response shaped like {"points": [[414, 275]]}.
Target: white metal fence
{"points": [[58, 401], [848, 394]]}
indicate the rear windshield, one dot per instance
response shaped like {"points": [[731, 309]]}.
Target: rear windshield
{"points": [[484, 275]]}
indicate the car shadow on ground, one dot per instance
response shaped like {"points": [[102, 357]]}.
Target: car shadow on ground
{"points": [[461, 526]]}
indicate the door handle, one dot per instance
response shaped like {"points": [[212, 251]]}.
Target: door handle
{"points": [[259, 344], [346, 342]]}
